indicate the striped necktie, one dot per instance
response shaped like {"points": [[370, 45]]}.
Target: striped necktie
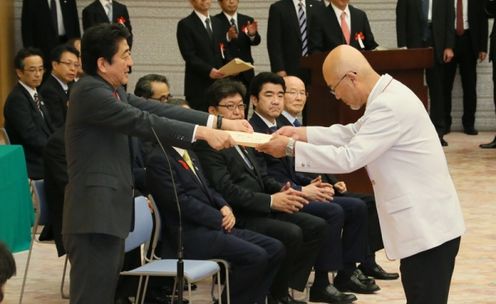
{"points": [[209, 28], [233, 23], [302, 20]]}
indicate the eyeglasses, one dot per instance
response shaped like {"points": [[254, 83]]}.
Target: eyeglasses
{"points": [[165, 98], [232, 107], [294, 94], [333, 90], [70, 64], [34, 70]]}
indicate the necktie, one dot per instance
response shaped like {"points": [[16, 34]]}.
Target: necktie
{"points": [[188, 160], [296, 123], [272, 129], [53, 14], [244, 157], [37, 102], [209, 28], [233, 23], [345, 28], [459, 18], [302, 21], [108, 8]]}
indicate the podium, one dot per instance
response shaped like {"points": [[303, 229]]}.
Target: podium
{"points": [[322, 108]]}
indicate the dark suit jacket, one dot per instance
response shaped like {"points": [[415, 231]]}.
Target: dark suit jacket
{"points": [[55, 182], [410, 24], [27, 127], [55, 100], [478, 24], [283, 35], [490, 8], [240, 47], [201, 55], [94, 14], [99, 195], [326, 33], [247, 191], [37, 27], [282, 169], [200, 205]]}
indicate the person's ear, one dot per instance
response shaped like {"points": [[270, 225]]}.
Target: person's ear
{"points": [[212, 110]]}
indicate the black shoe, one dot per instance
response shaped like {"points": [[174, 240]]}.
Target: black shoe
{"points": [[363, 278], [330, 295], [491, 145], [470, 131], [379, 273], [354, 284], [443, 142]]}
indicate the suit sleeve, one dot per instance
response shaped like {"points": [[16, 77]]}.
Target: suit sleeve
{"points": [[401, 26], [87, 19], [127, 23], [159, 181], [316, 32], [27, 23], [274, 43], [450, 24], [53, 104], [74, 19], [189, 50], [217, 172], [370, 43]]}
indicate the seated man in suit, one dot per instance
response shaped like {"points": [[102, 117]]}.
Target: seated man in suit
{"points": [[153, 86], [76, 43], [345, 216], [340, 23], [208, 224], [55, 88], [259, 202], [295, 98], [27, 120], [241, 34], [200, 38]]}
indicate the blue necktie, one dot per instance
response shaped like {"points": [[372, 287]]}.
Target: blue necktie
{"points": [[296, 123], [272, 129]]}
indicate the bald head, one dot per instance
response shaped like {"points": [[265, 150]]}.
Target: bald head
{"points": [[349, 75]]}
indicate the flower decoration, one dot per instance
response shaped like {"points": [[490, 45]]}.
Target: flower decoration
{"points": [[360, 37], [121, 20], [221, 47], [184, 164]]}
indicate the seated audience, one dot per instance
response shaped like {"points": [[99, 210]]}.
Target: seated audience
{"points": [[55, 88], [76, 43], [27, 120], [153, 86], [208, 224], [7, 267]]}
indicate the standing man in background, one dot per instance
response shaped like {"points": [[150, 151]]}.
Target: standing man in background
{"points": [[430, 23], [202, 42], [490, 7], [470, 46], [48, 23], [107, 11]]}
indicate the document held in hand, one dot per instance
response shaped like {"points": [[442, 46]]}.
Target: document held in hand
{"points": [[235, 66], [249, 139]]}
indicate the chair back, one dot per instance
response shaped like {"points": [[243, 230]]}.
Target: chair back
{"points": [[143, 225], [4, 137], [158, 228], [40, 201]]}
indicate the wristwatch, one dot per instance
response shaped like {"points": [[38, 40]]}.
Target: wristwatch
{"points": [[219, 122], [290, 148]]}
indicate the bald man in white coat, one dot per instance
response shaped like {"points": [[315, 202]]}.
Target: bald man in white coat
{"points": [[419, 211]]}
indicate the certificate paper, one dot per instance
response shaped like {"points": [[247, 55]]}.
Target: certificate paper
{"points": [[249, 139]]}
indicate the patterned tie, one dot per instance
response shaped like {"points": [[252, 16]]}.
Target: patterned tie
{"points": [[37, 102], [209, 28], [108, 9], [296, 123], [459, 18], [233, 23], [302, 20], [345, 28], [53, 14]]}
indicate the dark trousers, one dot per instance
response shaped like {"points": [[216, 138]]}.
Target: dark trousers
{"points": [[96, 260], [426, 276], [254, 259], [302, 235], [466, 59]]}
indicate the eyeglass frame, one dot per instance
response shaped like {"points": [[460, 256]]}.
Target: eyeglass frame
{"points": [[232, 107], [333, 90], [76, 65], [295, 94], [33, 70]]}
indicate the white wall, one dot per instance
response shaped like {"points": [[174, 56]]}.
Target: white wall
{"points": [[155, 48]]}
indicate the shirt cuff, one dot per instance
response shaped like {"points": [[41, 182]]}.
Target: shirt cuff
{"points": [[210, 121]]}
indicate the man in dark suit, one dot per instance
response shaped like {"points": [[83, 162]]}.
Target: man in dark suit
{"points": [[346, 217], [490, 7], [340, 23], [470, 46], [430, 23], [46, 24], [295, 98], [55, 89], [259, 202], [98, 199], [241, 34], [107, 11], [287, 40], [208, 224], [27, 120], [200, 38]]}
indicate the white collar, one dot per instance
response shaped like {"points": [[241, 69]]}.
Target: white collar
{"points": [[268, 123], [203, 17], [379, 87], [30, 90], [289, 117], [338, 11], [64, 85]]}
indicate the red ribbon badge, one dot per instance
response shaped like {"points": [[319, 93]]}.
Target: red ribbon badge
{"points": [[221, 47], [244, 29], [121, 20], [184, 164], [359, 35]]}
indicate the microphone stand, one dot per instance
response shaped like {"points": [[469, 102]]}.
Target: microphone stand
{"points": [[180, 249]]}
